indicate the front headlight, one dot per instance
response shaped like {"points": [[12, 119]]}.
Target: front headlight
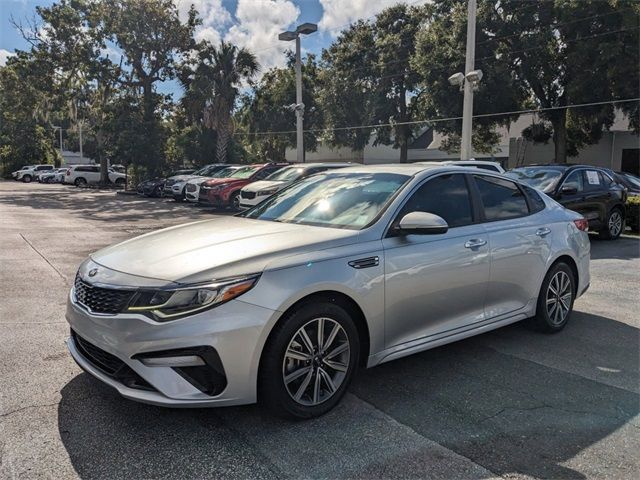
{"points": [[271, 191], [170, 304]]}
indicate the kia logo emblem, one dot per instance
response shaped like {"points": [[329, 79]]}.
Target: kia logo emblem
{"points": [[92, 272]]}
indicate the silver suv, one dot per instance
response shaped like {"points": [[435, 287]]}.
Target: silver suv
{"points": [[356, 266]]}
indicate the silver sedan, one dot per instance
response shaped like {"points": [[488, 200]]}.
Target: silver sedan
{"points": [[353, 267]]}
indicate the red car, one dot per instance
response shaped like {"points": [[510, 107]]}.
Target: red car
{"points": [[225, 192]]}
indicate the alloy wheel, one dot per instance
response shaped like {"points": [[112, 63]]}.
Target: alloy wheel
{"points": [[615, 224], [559, 295], [316, 361]]}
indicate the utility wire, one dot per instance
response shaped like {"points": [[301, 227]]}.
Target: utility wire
{"points": [[448, 119]]}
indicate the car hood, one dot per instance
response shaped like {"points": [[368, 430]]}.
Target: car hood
{"points": [[198, 180], [264, 185], [218, 181], [218, 248]]}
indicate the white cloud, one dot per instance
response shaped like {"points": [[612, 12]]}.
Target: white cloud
{"points": [[213, 15], [340, 13], [4, 56], [258, 24]]}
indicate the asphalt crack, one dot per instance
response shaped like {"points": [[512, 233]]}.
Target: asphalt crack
{"points": [[45, 259], [11, 412]]}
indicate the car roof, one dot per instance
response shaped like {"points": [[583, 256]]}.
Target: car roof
{"points": [[400, 168]]}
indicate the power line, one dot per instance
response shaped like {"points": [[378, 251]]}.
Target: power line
{"points": [[448, 119]]}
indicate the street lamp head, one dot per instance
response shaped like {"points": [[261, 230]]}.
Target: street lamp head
{"points": [[456, 79], [307, 28], [474, 76], [287, 36]]}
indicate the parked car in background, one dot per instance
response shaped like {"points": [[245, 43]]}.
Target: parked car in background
{"points": [[629, 181], [256, 192], [15, 174], [225, 192], [154, 187], [482, 164], [590, 191], [81, 175], [192, 189], [29, 174], [343, 269], [175, 186], [54, 176]]}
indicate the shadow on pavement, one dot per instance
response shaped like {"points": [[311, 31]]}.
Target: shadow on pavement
{"points": [[507, 414], [102, 205], [624, 248]]}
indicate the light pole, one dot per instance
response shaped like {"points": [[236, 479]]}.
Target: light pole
{"points": [[55, 127], [468, 82], [304, 29]]}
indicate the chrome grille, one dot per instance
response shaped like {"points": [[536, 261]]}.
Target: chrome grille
{"points": [[101, 300], [191, 187]]}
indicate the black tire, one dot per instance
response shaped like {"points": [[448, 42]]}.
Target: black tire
{"points": [[27, 179], [157, 192], [80, 182], [272, 391], [614, 225], [120, 182], [548, 319], [234, 201], [182, 197]]}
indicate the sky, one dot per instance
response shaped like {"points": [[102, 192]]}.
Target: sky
{"points": [[253, 24]]}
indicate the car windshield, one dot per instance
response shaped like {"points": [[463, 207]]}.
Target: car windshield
{"points": [[635, 181], [286, 174], [225, 172], [202, 171], [346, 200], [244, 172], [541, 178]]}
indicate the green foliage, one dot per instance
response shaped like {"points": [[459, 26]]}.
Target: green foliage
{"points": [[539, 54], [368, 79], [633, 214], [266, 109]]}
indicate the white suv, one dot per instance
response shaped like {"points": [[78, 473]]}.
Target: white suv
{"points": [[29, 173], [80, 175]]}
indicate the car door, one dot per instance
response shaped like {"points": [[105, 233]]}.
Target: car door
{"points": [[435, 283], [520, 243], [570, 193]]}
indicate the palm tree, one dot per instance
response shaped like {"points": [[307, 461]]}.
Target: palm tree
{"points": [[213, 87]]}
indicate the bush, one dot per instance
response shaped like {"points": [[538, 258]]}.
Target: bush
{"points": [[633, 213]]}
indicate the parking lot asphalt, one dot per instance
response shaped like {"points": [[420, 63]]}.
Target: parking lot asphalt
{"points": [[511, 403]]}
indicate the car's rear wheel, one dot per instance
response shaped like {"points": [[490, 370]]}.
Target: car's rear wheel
{"points": [[80, 182], [309, 361], [157, 192], [119, 182], [614, 225], [27, 178], [555, 302]]}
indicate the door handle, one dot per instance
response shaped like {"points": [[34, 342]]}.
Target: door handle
{"points": [[543, 232], [474, 243]]}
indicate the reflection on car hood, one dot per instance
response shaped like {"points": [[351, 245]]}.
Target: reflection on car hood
{"points": [[264, 185], [217, 248]]}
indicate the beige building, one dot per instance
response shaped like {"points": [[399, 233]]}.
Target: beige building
{"points": [[618, 149]]}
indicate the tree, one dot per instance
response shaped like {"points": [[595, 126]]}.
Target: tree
{"points": [[267, 109], [543, 54], [368, 79], [151, 37], [26, 136], [214, 77]]}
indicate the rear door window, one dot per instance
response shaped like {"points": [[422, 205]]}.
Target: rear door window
{"points": [[592, 180], [501, 199]]}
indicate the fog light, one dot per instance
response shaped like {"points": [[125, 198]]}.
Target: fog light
{"points": [[182, 361]]}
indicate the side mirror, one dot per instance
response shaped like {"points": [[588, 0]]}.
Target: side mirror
{"points": [[568, 190], [422, 223]]}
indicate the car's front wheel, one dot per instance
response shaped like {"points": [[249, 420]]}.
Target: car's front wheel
{"points": [[27, 178], [80, 182], [309, 361], [555, 302], [614, 225]]}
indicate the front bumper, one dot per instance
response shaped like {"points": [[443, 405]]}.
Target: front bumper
{"points": [[235, 330]]}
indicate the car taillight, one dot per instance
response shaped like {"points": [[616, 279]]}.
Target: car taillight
{"points": [[582, 224]]}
